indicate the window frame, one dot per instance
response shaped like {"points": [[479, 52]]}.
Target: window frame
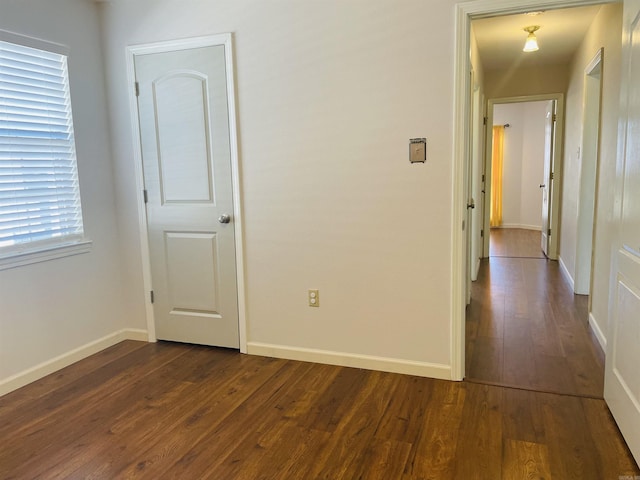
{"points": [[41, 252]]}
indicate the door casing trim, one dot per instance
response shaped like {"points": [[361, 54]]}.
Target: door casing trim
{"points": [[226, 40]]}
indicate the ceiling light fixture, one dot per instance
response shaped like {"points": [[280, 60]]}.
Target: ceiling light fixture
{"points": [[531, 45]]}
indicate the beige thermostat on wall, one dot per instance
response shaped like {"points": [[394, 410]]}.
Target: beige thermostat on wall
{"points": [[418, 150]]}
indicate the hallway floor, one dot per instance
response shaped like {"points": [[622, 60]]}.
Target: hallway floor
{"points": [[515, 242], [525, 328]]}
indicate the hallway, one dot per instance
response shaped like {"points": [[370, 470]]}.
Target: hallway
{"points": [[525, 328]]}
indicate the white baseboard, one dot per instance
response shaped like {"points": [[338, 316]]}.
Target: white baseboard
{"points": [[368, 362], [565, 272], [474, 274], [537, 228], [602, 340], [45, 368]]}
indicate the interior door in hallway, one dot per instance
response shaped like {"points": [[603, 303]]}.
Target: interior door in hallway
{"points": [[622, 376], [547, 182], [184, 129]]}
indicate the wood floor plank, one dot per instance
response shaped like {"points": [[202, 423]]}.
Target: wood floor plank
{"points": [[570, 444], [83, 385], [148, 400], [355, 429], [518, 352], [527, 329], [522, 416], [433, 455], [488, 360], [525, 461], [206, 424], [515, 242], [260, 434], [179, 411], [382, 459], [404, 416], [588, 373], [482, 416], [17, 399], [492, 317], [335, 400], [612, 452], [554, 375], [250, 419], [79, 397], [545, 337], [295, 462]]}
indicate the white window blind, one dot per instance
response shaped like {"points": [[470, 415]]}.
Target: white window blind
{"points": [[39, 194]]}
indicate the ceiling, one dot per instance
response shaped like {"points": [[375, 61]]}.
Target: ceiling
{"points": [[500, 39]]}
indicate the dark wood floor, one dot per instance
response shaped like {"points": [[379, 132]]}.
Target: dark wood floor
{"points": [[165, 410], [515, 242], [526, 328]]}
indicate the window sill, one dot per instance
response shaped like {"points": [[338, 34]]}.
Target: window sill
{"points": [[44, 254]]}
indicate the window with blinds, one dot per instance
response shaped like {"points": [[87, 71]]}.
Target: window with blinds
{"points": [[39, 194]]}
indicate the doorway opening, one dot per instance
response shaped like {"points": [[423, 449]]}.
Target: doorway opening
{"points": [[523, 191], [520, 278]]}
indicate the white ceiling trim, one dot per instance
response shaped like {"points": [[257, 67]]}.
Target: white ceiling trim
{"points": [[493, 8]]}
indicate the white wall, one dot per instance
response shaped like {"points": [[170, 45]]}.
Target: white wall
{"points": [[605, 31], [516, 82], [329, 94], [523, 162], [50, 308]]}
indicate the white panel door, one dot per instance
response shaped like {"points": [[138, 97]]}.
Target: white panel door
{"points": [[547, 181], [622, 370], [184, 130]]}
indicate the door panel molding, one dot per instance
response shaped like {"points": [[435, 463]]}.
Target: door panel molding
{"points": [[198, 273], [193, 110], [225, 40], [621, 377]]}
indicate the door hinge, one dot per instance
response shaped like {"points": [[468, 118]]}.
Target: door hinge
{"points": [[482, 233], [146, 196], [483, 177], [554, 117], [151, 296], [549, 232], [551, 176], [137, 85], [484, 120]]}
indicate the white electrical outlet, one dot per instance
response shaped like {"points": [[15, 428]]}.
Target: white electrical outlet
{"points": [[314, 298]]}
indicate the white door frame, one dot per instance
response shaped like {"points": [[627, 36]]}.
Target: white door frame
{"points": [[464, 13], [589, 170], [225, 40], [556, 159], [476, 152]]}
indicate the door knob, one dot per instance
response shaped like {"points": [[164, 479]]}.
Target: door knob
{"points": [[542, 185], [224, 218]]}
